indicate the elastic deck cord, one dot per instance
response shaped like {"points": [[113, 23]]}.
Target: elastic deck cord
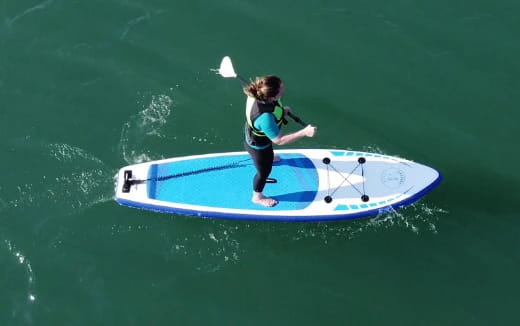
{"points": [[330, 167]]}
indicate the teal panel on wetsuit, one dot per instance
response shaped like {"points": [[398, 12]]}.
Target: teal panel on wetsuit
{"points": [[267, 124]]}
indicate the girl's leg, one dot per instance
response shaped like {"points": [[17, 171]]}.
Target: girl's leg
{"points": [[263, 161]]}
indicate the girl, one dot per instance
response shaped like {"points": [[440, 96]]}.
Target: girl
{"points": [[264, 118]]}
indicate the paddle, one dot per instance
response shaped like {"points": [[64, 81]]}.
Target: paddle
{"points": [[226, 70]]}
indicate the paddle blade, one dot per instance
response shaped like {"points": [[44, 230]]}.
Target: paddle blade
{"points": [[226, 68]]}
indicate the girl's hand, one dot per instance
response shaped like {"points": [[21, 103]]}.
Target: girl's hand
{"points": [[310, 131], [287, 109]]}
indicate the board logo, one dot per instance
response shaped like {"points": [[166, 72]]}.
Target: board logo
{"points": [[393, 178]]}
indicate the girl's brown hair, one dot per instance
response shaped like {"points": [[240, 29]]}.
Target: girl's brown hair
{"points": [[264, 88]]}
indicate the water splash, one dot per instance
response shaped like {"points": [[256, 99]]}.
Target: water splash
{"points": [[147, 123], [21, 293], [418, 218], [80, 180]]}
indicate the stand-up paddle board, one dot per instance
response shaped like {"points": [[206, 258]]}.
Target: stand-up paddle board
{"points": [[309, 185]]}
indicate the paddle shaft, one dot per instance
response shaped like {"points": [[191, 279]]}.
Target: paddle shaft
{"points": [[297, 119]]}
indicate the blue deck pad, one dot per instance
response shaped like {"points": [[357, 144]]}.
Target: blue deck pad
{"points": [[226, 182]]}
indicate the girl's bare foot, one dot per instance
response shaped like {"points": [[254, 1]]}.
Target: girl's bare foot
{"points": [[259, 198]]}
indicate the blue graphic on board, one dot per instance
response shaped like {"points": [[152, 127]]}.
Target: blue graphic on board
{"points": [[212, 181]]}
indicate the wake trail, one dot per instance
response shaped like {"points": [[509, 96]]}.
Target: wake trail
{"points": [[146, 125], [73, 179], [76, 181]]}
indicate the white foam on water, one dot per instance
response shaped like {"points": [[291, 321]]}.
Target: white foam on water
{"points": [[79, 180], [68, 153], [418, 218], [147, 123], [24, 295], [155, 115]]}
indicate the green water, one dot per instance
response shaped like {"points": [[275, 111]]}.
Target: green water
{"points": [[89, 86]]}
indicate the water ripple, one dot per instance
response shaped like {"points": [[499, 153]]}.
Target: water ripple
{"points": [[41, 6], [138, 20]]}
